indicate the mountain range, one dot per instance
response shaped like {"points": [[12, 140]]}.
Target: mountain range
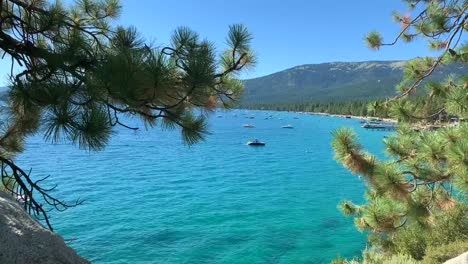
{"points": [[327, 82], [334, 81]]}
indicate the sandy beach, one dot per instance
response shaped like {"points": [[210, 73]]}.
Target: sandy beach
{"points": [[392, 120]]}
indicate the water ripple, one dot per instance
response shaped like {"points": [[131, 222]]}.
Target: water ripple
{"points": [[149, 199]]}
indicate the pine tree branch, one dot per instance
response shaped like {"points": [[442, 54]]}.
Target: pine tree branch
{"points": [[25, 193], [458, 29]]}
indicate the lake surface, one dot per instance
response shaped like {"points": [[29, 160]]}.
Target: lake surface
{"points": [[150, 199]]}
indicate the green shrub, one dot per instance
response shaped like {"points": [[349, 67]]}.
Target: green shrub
{"points": [[450, 226], [419, 240], [412, 242], [378, 257], [439, 254], [338, 260], [341, 260]]}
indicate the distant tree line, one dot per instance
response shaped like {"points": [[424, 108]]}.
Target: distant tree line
{"points": [[374, 108], [357, 108]]}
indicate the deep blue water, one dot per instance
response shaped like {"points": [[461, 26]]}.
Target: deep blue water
{"points": [[150, 199]]}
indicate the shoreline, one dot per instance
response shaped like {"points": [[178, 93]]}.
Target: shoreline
{"points": [[386, 119], [391, 120]]}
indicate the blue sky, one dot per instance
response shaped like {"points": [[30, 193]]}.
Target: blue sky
{"points": [[286, 33]]}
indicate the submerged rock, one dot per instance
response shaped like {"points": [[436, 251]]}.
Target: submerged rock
{"points": [[23, 240]]}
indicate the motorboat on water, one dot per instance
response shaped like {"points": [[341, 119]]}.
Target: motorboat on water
{"points": [[287, 126], [256, 142], [380, 125], [372, 120], [249, 126]]}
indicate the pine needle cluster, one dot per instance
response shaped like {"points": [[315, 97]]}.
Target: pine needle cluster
{"points": [[421, 187], [80, 76]]}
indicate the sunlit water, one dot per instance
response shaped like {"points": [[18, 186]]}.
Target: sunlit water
{"points": [[150, 199]]}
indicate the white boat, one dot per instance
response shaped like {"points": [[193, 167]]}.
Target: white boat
{"points": [[249, 126], [371, 120], [287, 126]]}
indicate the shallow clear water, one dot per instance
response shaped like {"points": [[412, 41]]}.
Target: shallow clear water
{"points": [[149, 199]]}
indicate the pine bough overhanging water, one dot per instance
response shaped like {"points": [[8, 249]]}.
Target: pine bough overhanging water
{"points": [[417, 198], [74, 76]]}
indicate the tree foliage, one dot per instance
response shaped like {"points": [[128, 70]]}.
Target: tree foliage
{"points": [[75, 76], [416, 199]]}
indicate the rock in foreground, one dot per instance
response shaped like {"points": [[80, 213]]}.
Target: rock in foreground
{"points": [[23, 240]]}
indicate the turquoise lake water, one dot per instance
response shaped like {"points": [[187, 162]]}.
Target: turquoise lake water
{"points": [[150, 199]]}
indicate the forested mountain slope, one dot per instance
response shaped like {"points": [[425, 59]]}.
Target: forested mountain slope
{"points": [[335, 81]]}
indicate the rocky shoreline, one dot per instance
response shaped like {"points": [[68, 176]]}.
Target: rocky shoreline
{"points": [[24, 240]]}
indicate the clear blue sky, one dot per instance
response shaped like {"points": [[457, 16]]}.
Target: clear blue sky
{"points": [[286, 33]]}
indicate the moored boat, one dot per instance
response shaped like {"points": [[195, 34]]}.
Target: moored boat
{"points": [[380, 125], [371, 120], [256, 142]]}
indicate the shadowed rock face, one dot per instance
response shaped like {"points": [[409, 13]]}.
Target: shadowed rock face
{"points": [[23, 240]]}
